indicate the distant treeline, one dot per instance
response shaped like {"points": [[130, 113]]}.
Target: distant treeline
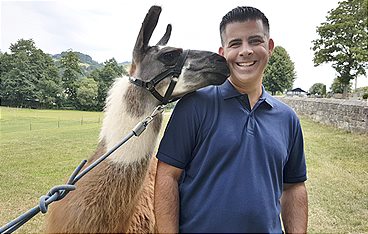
{"points": [[70, 80]]}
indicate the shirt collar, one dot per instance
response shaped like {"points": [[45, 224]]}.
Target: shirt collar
{"points": [[266, 97], [228, 91]]}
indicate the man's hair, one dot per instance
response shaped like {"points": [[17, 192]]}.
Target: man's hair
{"points": [[241, 14]]}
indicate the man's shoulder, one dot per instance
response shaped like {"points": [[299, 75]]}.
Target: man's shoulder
{"points": [[201, 96], [281, 107]]}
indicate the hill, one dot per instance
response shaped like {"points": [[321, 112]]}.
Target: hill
{"points": [[84, 58], [87, 63]]}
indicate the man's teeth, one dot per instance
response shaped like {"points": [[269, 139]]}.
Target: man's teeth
{"points": [[247, 64]]}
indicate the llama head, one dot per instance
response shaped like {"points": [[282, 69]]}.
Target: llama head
{"points": [[190, 69]]}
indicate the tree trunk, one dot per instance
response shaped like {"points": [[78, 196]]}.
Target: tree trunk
{"points": [[345, 91]]}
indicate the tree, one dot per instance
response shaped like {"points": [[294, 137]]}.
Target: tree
{"points": [[87, 92], [105, 77], [280, 72], [49, 86], [28, 76], [339, 87], [70, 75], [343, 40], [318, 88], [4, 69]]}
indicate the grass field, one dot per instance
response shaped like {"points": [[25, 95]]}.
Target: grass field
{"points": [[40, 148]]}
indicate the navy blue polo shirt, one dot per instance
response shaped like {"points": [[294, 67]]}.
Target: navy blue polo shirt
{"points": [[235, 160]]}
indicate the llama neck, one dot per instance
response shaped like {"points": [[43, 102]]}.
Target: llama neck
{"points": [[127, 105]]}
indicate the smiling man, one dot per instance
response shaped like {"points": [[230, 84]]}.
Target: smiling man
{"points": [[232, 156], [247, 48]]}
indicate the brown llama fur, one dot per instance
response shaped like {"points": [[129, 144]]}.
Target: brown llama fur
{"points": [[138, 209], [117, 196]]}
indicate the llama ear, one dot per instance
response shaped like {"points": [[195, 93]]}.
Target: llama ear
{"points": [[145, 33], [165, 38]]}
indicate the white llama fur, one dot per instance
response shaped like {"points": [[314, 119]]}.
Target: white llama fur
{"points": [[116, 125]]}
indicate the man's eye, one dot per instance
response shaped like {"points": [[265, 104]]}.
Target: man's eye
{"points": [[234, 45], [255, 42]]}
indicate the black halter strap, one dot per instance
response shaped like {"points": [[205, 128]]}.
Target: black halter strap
{"points": [[173, 71]]}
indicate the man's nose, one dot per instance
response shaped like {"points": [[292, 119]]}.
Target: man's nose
{"points": [[246, 50]]}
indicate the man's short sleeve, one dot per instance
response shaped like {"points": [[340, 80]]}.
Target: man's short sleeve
{"points": [[295, 169]]}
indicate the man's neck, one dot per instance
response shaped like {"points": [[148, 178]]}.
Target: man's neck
{"points": [[254, 92]]}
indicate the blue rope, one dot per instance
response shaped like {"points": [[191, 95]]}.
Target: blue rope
{"points": [[55, 194]]}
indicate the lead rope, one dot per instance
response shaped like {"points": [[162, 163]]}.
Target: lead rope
{"points": [[59, 192]]}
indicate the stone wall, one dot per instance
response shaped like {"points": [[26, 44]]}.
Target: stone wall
{"points": [[350, 115]]}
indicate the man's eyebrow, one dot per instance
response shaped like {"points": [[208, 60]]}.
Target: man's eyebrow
{"points": [[234, 40]]}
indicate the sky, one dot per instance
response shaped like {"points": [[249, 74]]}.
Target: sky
{"points": [[106, 29]]}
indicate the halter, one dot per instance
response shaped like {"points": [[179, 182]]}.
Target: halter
{"points": [[173, 71]]}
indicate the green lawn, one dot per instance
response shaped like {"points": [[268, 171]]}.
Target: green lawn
{"points": [[337, 179], [40, 148], [34, 159]]}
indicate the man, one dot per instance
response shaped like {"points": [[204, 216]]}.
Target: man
{"points": [[232, 157]]}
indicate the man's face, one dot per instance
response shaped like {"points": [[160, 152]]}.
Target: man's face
{"points": [[247, 49]]}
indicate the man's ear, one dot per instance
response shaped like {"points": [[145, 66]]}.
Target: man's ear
{"points": [[271, 46], [221, 51]]}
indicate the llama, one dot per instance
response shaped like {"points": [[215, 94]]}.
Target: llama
{"points": [[117, 195]]}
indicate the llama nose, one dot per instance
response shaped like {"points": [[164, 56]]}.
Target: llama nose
{"points": [[218, 58], [221, 64]]}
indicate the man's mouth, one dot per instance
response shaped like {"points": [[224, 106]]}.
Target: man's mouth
{"points": [[246, 64]]}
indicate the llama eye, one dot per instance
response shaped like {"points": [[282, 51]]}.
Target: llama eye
{"points": [[169, 58]]}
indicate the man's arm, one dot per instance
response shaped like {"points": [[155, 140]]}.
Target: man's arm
{"points": [[166, 204], [294, 208]]}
